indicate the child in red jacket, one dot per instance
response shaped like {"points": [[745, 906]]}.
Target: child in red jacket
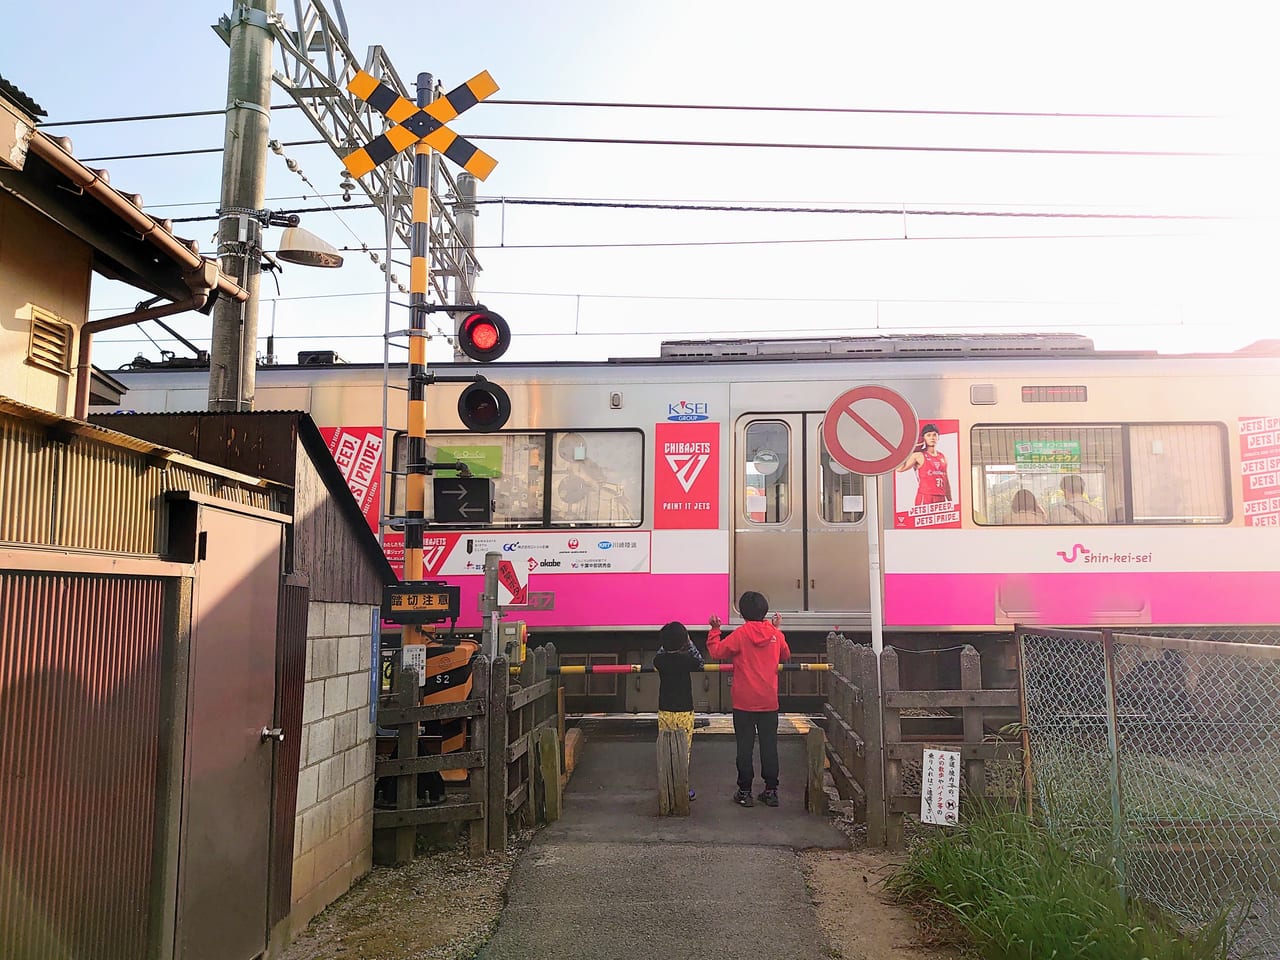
{"points": [[755, 649]]}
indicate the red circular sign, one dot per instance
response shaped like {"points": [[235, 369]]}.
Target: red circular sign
{"points": [[869, 430]]}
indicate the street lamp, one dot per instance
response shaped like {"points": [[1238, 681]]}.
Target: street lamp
{"points": [[304, 247]]}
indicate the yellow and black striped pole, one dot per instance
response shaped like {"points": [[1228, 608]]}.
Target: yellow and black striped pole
{"points": [[448, 665], [419, 280]]}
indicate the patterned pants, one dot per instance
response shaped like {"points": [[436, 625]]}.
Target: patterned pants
{"points": [[682, 720]]}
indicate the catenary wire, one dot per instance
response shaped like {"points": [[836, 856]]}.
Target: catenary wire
{"points": [[984, 301], [736, 208], [889, 111], [747, 144]]}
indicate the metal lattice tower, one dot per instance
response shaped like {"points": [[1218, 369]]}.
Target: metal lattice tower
{"points": [[318, 62]]}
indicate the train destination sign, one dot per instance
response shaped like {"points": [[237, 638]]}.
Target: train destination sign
{"points": [[870, 429]]}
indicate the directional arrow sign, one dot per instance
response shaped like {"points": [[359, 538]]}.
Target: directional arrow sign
{"points": [[512, 590], [463, 500]]}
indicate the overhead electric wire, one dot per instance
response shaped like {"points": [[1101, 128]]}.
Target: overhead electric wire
{"points": [[894, 211], [750, 243], [869, 147], [887, 111], [747, 144], [733, 208], [684, 298]]}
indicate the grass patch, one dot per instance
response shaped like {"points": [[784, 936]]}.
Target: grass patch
{"points": [[1018, 893]]}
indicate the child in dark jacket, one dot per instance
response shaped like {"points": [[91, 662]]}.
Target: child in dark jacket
{"points": [[675, 661], [755, 649]]}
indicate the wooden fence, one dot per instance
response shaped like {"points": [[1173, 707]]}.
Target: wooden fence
{"points": [[515, 735], [876, 763], [854, 742]]}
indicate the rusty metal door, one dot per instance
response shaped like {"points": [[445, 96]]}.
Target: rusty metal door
{"points": [[226, 824]]}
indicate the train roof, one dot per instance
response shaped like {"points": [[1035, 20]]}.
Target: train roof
{"points": [[958, 346]]}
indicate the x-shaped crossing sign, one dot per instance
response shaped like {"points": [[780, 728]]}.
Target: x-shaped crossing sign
{"points": [[414, 124]]}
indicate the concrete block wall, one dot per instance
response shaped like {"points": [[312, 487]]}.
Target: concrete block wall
{"points": [[333, 830]]}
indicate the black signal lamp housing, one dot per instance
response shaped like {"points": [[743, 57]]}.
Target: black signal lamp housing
{"points": [[484, 407]]}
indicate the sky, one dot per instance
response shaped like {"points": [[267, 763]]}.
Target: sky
{"points": [[593, 283]]}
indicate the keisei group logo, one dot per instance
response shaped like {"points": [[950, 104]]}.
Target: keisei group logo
{"points": [[684, 411], [1077, 550]]}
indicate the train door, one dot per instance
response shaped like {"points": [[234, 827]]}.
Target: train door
{"points": [[800, 534]]}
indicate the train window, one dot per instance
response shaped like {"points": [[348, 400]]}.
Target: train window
{"points": [[596, 478], [839, 491], [1029, 474], [1179, 473], [1100, 474], [766, 474], [513, 460]]}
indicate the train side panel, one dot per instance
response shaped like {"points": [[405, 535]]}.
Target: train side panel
{"points": [[672, 487]]}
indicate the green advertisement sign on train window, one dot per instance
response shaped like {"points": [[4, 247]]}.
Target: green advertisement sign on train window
{"points": [[484, 461], [1047, 456]]}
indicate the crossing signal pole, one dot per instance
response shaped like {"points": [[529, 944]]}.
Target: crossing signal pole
{"points": [[423, 128]]}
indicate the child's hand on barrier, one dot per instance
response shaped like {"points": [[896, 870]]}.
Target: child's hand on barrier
{"points": [[775, 618], [713, 622]]}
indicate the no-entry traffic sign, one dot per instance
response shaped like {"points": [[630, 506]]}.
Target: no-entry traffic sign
{"points": [[870, 429]]}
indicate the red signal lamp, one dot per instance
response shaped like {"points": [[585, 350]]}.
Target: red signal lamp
{"points": [[484, 336]]}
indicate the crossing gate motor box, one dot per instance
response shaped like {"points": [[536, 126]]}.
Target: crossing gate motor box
{"points": [[515, 638]]}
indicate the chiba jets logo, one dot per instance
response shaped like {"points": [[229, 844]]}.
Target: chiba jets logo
{"points": [[685, 411], [686, 467], [433, 552], [686, 476]]}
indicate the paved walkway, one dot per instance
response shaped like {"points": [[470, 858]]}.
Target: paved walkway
{"points": [[613, 880]]}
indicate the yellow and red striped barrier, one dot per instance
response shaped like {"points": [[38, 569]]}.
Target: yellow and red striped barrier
{"points": [[640, 668]]}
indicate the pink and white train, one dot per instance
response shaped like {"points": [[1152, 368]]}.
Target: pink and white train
{"points": [[631, 492]]}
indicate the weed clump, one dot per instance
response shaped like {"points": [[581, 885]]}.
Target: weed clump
{"points": [[1017, 893]]}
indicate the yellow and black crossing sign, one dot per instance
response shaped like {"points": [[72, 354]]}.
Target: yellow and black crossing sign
{"points": [[424, 125]]}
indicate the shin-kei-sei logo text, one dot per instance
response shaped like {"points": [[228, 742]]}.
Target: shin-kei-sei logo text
{"points": [[1092, 557]]}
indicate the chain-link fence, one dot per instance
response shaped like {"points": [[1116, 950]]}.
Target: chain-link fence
{"points": [[1163, 754]]}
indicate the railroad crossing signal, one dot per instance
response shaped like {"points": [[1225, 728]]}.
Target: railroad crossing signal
{"points": [[425, 125]]}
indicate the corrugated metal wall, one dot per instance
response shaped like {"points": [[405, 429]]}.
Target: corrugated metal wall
{"points": [[27, 460], [48, 481], [80, 701]]}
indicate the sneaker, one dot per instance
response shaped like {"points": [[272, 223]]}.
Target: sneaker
{"points": [[769, 796], [743, 798], [693, 794]]}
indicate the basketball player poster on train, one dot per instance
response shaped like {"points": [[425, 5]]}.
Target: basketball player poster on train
{"points": [[926, 488]]}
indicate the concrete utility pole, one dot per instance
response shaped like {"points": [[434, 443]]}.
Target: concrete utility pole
{"points": [[233, 354]]}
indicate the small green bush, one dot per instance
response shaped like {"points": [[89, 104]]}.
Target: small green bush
{"points": [[1020, 895]]}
